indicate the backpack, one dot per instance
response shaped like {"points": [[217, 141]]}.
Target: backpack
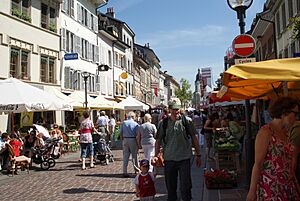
{"points": [[165, 125]]}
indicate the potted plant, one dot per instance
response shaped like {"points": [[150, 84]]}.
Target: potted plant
{"points": [[26, 17], [16, 12], [52, 27]]}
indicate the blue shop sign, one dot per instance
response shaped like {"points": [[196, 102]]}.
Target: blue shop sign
{"points": [[71, 56]]}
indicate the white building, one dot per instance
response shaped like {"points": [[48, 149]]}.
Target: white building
{"points": [[29, 42], [79, 35]]}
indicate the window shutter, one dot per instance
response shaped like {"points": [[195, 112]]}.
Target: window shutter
{"points": [[67, 77], [63, 39], [95, 25], [79, 14], [72, 8], [74, 43], [97, 54], [88, 20]]}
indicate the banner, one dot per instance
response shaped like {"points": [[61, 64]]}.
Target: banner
{"points": [[206, 76], [26, 119]]}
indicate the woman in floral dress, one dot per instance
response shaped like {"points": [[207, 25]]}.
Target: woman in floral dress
{"points": [[272, 178]]}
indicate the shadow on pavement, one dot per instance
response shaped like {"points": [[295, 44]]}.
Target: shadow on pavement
{"points": [[105, 175], [78, 190], [84, 190]]}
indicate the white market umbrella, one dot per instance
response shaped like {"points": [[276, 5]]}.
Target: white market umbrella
{"points": [[79, 96], [66, 98], [131, 103], [18, 96], [42, 129], [102, 103]]}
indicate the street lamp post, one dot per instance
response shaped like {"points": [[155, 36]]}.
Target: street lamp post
{"points": [[240, 6], [85, 76]]}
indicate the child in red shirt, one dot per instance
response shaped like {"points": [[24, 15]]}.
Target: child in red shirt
{"points": [[16, 145], [144, 182]]}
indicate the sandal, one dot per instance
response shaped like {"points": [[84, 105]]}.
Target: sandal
{"points": [[92, 166]]}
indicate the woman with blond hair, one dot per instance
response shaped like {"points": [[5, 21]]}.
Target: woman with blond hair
{"points": [[146, 138]]}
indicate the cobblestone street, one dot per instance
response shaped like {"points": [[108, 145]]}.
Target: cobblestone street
{"points": [[66, 181]]}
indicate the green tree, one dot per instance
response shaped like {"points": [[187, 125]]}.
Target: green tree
{"points": [[295, 27], [184, 93]]}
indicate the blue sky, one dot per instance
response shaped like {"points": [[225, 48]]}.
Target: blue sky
{"points": [[185, 35]]}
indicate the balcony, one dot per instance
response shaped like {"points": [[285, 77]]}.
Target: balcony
{"points": [[99, 2]]}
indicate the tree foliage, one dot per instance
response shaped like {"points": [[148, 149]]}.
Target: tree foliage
{"points": [[295, 27], [184, 93]]}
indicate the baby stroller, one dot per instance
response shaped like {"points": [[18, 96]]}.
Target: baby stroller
{"points": [[45, 155], [102, 151]]}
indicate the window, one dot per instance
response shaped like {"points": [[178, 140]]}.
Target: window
{"points": [[23, 6], [47, 70], [278, 23], [19, 63], [290, 8], [283, 16], [48, 15], [68, 7]]}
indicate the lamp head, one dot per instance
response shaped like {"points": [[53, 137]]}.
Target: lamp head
{"points": [[85, 74], [235, 4]]}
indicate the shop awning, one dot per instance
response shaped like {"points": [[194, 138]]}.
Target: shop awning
{"points": [[262, 79], [102, 103], [131, 103]]}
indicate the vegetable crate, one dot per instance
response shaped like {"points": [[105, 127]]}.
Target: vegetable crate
{"points": [[228, 160]]}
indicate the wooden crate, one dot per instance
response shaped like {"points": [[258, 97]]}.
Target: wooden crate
{"points": [[228, 160]]}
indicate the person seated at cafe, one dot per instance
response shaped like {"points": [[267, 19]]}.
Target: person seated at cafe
{"points": [[16, 144], [29, 142], [4, 152], [15, 133], [56, 133]]}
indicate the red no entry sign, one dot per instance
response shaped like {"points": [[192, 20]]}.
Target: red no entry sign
{"points": [[243, 45]]}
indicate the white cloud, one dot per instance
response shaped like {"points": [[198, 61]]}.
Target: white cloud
{"points": [[205, 36]]}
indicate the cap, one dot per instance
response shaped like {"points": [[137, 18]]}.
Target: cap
{"points": [[174, 103], [144, 162]]}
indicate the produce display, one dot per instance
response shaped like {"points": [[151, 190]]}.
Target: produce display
{"points": [[224, 141]]}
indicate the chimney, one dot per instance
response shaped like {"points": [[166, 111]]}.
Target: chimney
{"points": [[110, 11], [147, 45]]}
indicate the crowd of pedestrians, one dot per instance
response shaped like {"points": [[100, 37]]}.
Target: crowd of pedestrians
{"points": [[180, 136]]}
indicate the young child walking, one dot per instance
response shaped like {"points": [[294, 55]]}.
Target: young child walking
{"points": [[144, 182]]}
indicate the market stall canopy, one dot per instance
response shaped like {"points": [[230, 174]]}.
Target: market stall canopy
{"points": [[102, 103], [64, 97], [18, 96], [213, 98], [79, 96], [261, 79], [131, 103]]}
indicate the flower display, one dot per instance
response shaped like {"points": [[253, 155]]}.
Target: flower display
{"points": [[220, 178]]}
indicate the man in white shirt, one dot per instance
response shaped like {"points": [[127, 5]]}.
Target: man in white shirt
{"points": [[102, 122]]}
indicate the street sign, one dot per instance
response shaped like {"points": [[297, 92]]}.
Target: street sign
{"points": [[244, 60], [243, 45], [71, 56]]}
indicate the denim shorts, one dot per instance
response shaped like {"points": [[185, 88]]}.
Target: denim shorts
{"points": [[84, 147]]}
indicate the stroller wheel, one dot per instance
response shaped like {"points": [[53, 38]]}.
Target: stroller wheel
{"points": [[51, 162], [45, 165]]}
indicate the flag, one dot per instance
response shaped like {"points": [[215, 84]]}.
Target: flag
{"points": [[154, 85], [206, 76], [156, 91]]}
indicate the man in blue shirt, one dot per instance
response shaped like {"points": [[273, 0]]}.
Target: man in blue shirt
{"points": [[102, 122], [128, 132]]}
